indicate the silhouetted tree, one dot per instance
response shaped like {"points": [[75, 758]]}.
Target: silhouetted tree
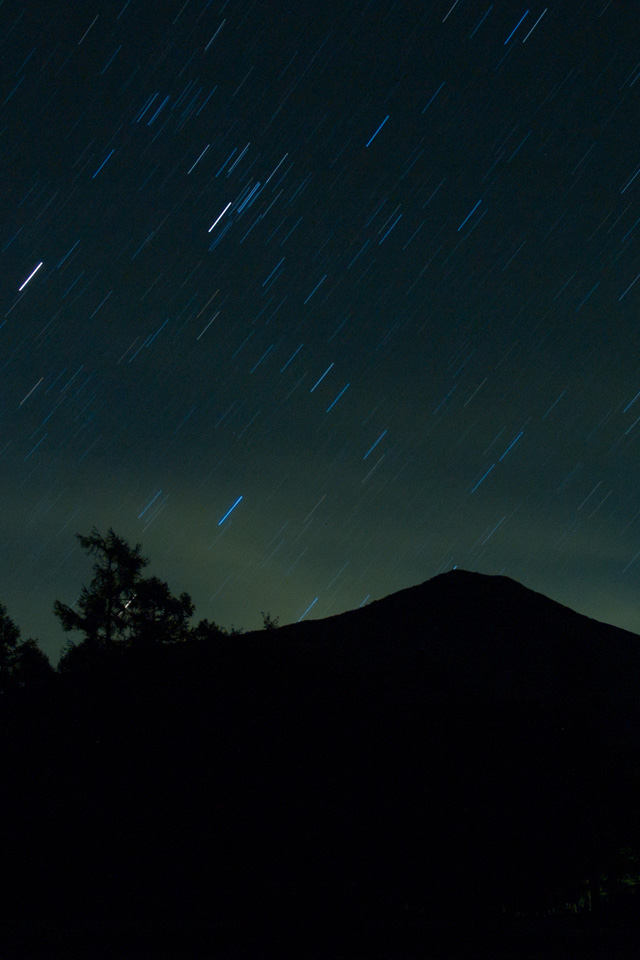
{"points": [[76, 656], [21, 661], [120, 606], [269, 622], [102, 606], [155, 615], [9, 638], [205, 631], [31, 665]]}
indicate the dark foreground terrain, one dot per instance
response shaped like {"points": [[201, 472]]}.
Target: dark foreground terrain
{"points": [[450, 772]]}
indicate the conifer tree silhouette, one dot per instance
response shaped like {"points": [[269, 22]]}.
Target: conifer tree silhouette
{"points": [[21, 661], [9, 638], [120, 606], [101, 612]]}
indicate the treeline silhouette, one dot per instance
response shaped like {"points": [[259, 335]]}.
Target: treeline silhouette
{"points": [[119, 609], [453, 771]]}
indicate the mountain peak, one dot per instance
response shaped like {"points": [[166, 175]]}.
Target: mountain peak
{"points": [[484, 632]]}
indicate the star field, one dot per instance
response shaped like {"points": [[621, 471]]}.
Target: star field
{"points": [[316, 301]]}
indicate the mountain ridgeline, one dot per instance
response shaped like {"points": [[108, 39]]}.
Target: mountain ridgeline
{"points": [[463, 756]]}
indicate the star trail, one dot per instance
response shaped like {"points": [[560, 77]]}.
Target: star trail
{"points": [[316, 301]]}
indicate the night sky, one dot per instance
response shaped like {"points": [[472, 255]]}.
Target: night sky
{"points": [[323, 299]]}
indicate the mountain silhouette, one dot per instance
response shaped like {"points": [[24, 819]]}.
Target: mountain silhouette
{"points": [[424, 772], [493, 635]]}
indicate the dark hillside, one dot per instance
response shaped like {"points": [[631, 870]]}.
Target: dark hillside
{"points": [[453, 761], [494, 635]]}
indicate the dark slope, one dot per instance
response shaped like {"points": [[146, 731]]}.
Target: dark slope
{"points": [[491, 634], [441, 760]]}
